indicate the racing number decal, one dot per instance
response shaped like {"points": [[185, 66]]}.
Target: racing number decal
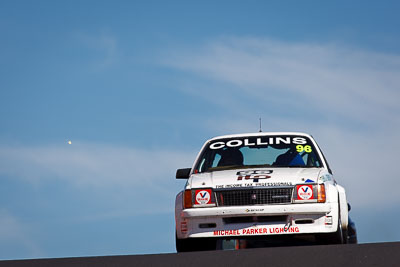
{"points": [[301, 148]]}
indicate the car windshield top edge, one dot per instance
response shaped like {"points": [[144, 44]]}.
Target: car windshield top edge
{"points": [[258, 152]]}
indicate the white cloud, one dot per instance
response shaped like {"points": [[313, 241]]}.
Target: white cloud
{"points": [[82, 184], [346, 97], [92, 164], [348, 82], [121, 182]]}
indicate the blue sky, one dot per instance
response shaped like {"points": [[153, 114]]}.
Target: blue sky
{"points": [[138, 86]]}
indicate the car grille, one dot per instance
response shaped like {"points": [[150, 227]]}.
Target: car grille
{"points": [[244, 197]]}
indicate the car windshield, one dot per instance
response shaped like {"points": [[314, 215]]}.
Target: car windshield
{"points": [[258, 151]]}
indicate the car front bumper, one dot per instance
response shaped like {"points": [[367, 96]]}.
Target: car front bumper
{"points": [[242, 221]]}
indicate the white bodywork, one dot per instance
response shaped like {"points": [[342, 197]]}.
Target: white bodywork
{"points": [[301, 218]]}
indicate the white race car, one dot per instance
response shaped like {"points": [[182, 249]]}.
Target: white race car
{"points": [[260, 186]]}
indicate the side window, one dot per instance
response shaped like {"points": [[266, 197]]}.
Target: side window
{"points": [[311, 159]]}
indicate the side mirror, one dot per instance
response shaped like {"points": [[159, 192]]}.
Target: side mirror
{"points": [[183, 173], [348, 207]]}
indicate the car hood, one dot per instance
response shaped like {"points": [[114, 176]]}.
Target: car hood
{"points": [[254, 177]]}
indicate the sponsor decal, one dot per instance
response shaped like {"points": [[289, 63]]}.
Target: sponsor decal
{"points": [[260, 141], [254, 210], [325, 178], [246, 185], [257, 231], [328, 220], [254, 175], [304, 192], [203, 197]]}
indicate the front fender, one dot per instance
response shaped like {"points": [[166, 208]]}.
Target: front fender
{"points": [[344, 212], [178, 212]]}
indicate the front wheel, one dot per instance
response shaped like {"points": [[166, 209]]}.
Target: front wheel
{"points": [[195, 244], [338, 237]]}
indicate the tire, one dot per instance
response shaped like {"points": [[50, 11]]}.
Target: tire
{"points": [[195, 244], [182, 245], [352, 233], [338, 237]]}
